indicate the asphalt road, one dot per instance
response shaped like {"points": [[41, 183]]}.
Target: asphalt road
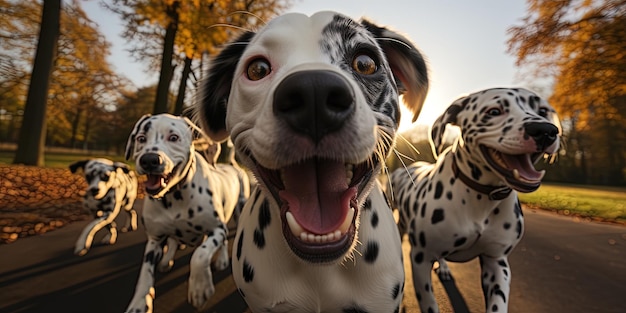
{"points": [[561, 265]]}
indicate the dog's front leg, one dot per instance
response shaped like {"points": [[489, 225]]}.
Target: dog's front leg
{"points": [[422, 266], [85, 240], [200, 277], [496, 279], [144, 291]]}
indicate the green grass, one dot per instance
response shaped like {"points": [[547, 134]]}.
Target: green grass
{"points": [[62, 159], [590, 201]]}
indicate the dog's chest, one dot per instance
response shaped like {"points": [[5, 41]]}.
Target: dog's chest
{"points": [[184, 215], [273, 279]]}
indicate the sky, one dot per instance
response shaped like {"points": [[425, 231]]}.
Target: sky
{"points": [[464, 42]]}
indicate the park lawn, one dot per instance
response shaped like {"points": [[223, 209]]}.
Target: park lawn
{"points": [[62, 159], [607, 203]]}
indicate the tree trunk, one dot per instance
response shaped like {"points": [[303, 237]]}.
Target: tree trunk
{"points": [[31, 143], [75, 122], [180, 98], [167, 69]]}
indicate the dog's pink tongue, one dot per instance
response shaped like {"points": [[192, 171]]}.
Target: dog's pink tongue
{"points": [[524, 166], [317, 194], [154, 182]]}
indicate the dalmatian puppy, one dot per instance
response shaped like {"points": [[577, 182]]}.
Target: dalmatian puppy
{"points": [[111, 188], [311, 105], [466, 205], [189, 202]]}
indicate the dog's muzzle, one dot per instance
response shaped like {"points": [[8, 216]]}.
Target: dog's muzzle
{"points": [[317, 196], [518, 170], [153, 165]]}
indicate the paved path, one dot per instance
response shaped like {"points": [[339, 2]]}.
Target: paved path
{"points": [[561, 265]]}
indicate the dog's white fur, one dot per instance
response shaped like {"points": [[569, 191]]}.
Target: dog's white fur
{"points": [[189, 202], [111, 187], [466, 206], [246, 96]]}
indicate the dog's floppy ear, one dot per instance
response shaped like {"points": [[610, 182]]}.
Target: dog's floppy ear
{"points": [[123, 166], [78, 164], [130, 144], [211, 110], [438, 128], [407, 64]]}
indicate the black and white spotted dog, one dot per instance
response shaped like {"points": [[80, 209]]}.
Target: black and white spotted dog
{"points": [[311, 105], [189, 202], [111, 188], [466, 205]]}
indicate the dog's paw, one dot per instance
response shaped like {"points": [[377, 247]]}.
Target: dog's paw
{"points": [[80, 251], [142, 305], [200, 290]]}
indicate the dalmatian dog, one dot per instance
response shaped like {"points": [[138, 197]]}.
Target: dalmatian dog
{"points": [[189, 202], [311, 104], [466, 205], [111, 188]]}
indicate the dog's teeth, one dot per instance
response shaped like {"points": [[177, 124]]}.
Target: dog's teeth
{"points": [[349, 173], [295, 228], [299, 232], [516, 174], [347, 222]]}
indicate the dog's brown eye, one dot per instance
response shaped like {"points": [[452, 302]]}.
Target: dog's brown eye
{"points": [[364, 64], [258, 68], [543, 112], [494, 112], [141, 139], [173, 137]]}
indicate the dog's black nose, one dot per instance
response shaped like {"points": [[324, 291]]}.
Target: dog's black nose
{"points": [[544, 134], [94, 191], [150, 161], [314, 102]]}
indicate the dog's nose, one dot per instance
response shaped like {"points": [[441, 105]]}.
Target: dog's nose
{"points": [[314, 102], [94, 191], [150, 161], [544, 134]]}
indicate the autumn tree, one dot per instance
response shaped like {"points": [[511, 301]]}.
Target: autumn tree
{"points": [[32, 133], [581, 45], [170, 32], [82, 91]]}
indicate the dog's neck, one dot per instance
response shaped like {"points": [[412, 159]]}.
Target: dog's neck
{"points": [[494, 192]]}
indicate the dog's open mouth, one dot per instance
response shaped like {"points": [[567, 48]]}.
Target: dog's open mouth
{"points": [[318, 199], [518, 170], [156, 182]]}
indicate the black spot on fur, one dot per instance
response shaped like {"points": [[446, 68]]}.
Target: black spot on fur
{"points": [[259, 238], [374, 220], [422, 239], [438, 216], [354, 310], [438, 189], [264, 215], [248, 272], [395, 291], [419, 258], [371, 252], [239, 245], [459, 242]]}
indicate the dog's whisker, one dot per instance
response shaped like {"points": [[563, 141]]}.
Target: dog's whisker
{"points": [[396, 41], [249, 13], [230, 26]]}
